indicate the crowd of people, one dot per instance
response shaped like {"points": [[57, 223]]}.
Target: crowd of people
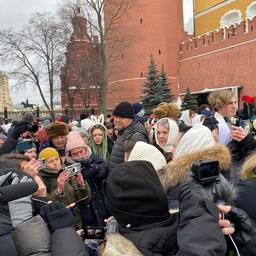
{"points": [[165, 183]]}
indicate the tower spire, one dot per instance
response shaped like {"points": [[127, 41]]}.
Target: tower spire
{"points": [[78, 9]]}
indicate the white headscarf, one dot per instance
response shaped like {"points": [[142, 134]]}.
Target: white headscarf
{"points": [[173, 133], [199, 137], [185, 117], [147, 152], [224, 132], [197, 120]]}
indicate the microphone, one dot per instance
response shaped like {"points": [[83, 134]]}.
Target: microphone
{"points": [[16, 191]]}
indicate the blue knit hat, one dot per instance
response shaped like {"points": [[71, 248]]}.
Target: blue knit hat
{"points": [[137, 107], [24, 146]]}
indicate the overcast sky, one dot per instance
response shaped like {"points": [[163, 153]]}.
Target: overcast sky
{"points": [[15, 13]]}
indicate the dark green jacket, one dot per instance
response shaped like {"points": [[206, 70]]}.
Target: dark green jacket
{"points": [[72, 192]]}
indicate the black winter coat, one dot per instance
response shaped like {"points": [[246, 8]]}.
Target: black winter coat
{"points": [[95, 171], [246, 190], [135, 132], [192, 232], [239, 151], [155, 239]]}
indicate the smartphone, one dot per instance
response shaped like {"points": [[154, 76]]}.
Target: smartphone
{"points": [[95, 233], [39, 200], [38, 203], [81, 200]]}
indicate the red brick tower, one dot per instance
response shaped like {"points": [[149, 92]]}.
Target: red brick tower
{"points": [[76, 92], [157, 28]]}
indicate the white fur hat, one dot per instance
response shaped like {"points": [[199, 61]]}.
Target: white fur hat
{"points": [[147, 152], [87, 124]]}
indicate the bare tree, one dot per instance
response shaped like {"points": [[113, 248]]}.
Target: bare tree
{"points": [[35, 54], [102, 16]]}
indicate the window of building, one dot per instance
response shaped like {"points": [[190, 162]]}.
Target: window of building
{"points": [[141, 20], [141, 74], [159, 52], [251, 11], [231, 17]]}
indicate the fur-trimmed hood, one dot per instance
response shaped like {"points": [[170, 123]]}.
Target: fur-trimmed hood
{"points": [[117, 245], [177, 170]]}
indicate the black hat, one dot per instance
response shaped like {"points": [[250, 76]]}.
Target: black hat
{"points": [[124, 109], [134, 194]]}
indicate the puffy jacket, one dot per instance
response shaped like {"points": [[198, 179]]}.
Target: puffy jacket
{"points": [[32, 237], [135, 132]]}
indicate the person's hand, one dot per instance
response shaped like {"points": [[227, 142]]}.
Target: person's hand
{"points": [[63, 177], [41, 192], [80, 179], [20, 209], [237, 133], [226, 226], [32, 167], [245, 228]]}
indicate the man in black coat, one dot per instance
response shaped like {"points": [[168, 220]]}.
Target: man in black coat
{"points": [[128, 129]]}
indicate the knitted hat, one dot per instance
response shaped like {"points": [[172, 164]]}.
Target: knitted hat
{"points": [[25, 145], [137, 107], [147, 152], [74, 140], [28, 117], [57, 129], [210, 122], [124, 109], [206, 112], [134, 194], [48, 153]]}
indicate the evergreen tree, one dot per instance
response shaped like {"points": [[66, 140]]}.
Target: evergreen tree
{"points": [[189, 102], [155, 88], [166, 92]]}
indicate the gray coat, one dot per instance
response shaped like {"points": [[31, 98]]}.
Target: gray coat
{"points": [[32, 237], [135, 132]]}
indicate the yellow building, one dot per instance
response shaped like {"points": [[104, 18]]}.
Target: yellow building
{"points": [[210, 15], [5, 100]]}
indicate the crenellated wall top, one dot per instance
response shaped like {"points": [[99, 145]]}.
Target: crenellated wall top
{"points": [[216, 38]]}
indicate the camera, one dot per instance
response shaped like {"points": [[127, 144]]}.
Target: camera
{"points": [[73, 169], [206, 171]]}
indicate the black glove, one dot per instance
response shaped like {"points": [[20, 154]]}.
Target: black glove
{"points": [[245, 228], [57, 216], [20, 128]]}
